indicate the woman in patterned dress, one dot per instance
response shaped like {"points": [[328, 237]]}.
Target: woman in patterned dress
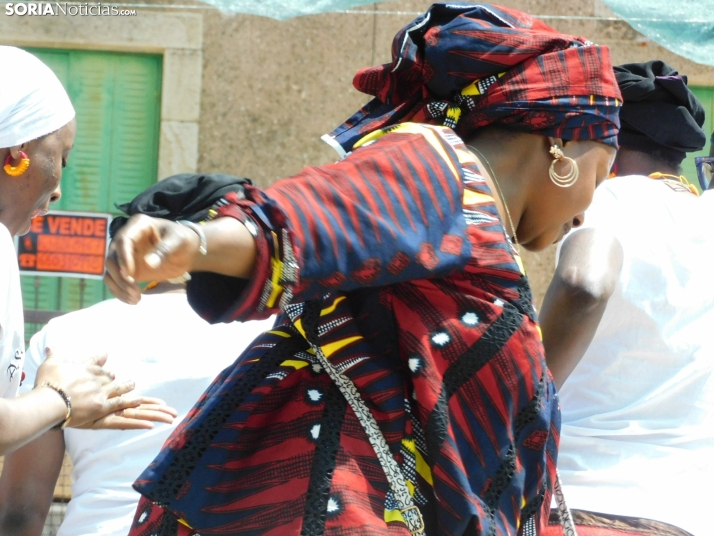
{"points": [[403, 389]]}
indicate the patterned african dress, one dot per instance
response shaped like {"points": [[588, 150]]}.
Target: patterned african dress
{"points": [[405, 279]]}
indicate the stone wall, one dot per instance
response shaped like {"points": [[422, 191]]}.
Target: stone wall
{"points": [[271, 89]]}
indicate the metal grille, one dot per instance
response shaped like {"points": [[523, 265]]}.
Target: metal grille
{"points": [[54, 518]]}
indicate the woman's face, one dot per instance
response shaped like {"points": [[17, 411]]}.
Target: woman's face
{"points": [[556, 210], [29, 195]]}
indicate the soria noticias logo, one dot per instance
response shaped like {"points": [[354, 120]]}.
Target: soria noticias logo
{"points": [[73, 9]]}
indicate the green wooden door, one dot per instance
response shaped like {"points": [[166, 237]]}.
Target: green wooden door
{"points": [[118, 102], [706, 97]]}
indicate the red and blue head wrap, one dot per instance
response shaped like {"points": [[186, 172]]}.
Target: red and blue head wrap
{"points": [[467, 66]]}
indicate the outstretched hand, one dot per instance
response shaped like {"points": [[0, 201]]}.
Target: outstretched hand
{"points": [[136, 413], [148, 249], [98, 399]]}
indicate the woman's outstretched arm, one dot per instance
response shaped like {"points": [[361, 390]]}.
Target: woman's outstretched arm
{"points": [[390, 212], [97, 401]]}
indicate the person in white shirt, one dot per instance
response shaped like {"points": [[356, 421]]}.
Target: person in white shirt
{"points": [[170, 351], [626, 321], [37, 131]]}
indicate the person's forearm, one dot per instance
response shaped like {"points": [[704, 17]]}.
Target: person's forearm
{"points": [[24, 418], [27, 485], [231, 249]]}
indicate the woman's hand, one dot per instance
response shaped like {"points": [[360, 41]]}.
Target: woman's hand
{"points": [[148, 249], [153, 249], [98, 400], [133, 417]]}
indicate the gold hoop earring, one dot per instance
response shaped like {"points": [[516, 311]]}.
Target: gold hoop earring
{"points": [[567, 180]]}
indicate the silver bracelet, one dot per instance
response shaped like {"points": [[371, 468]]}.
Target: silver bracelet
{"points": [[203, 244]]}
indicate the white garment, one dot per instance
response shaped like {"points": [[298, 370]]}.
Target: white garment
{"points": [[172, 354], [12, 324], [638, 411], [34, 103]]}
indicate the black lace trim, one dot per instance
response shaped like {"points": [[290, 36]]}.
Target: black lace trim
{"points": [[528, 514], [169, 526], [525, 299], [323, 464], [530, 413], [164, 524], [501, 479], [526, 416], [185, 460], [463, 369], [503, 476], [311, 321]]}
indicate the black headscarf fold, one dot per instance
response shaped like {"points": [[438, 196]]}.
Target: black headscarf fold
{"points": [[187, 196], [659, 112]]}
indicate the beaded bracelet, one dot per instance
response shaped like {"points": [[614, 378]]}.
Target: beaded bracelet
{"points": [[67, 400]]}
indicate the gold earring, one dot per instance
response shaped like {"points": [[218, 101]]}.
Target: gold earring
{"points": [[567, 180]]}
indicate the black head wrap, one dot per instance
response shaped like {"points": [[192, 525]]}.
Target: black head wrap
{"points": [[180, 197], [660, 113]]}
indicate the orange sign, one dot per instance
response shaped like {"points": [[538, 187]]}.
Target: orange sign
{"points": [[69, 244]]}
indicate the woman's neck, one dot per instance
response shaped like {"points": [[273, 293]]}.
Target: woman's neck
{"points": [[505, 158], [632, 162]]}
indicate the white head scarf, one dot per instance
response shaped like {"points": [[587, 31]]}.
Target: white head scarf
{"points": [[33, 103]]}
